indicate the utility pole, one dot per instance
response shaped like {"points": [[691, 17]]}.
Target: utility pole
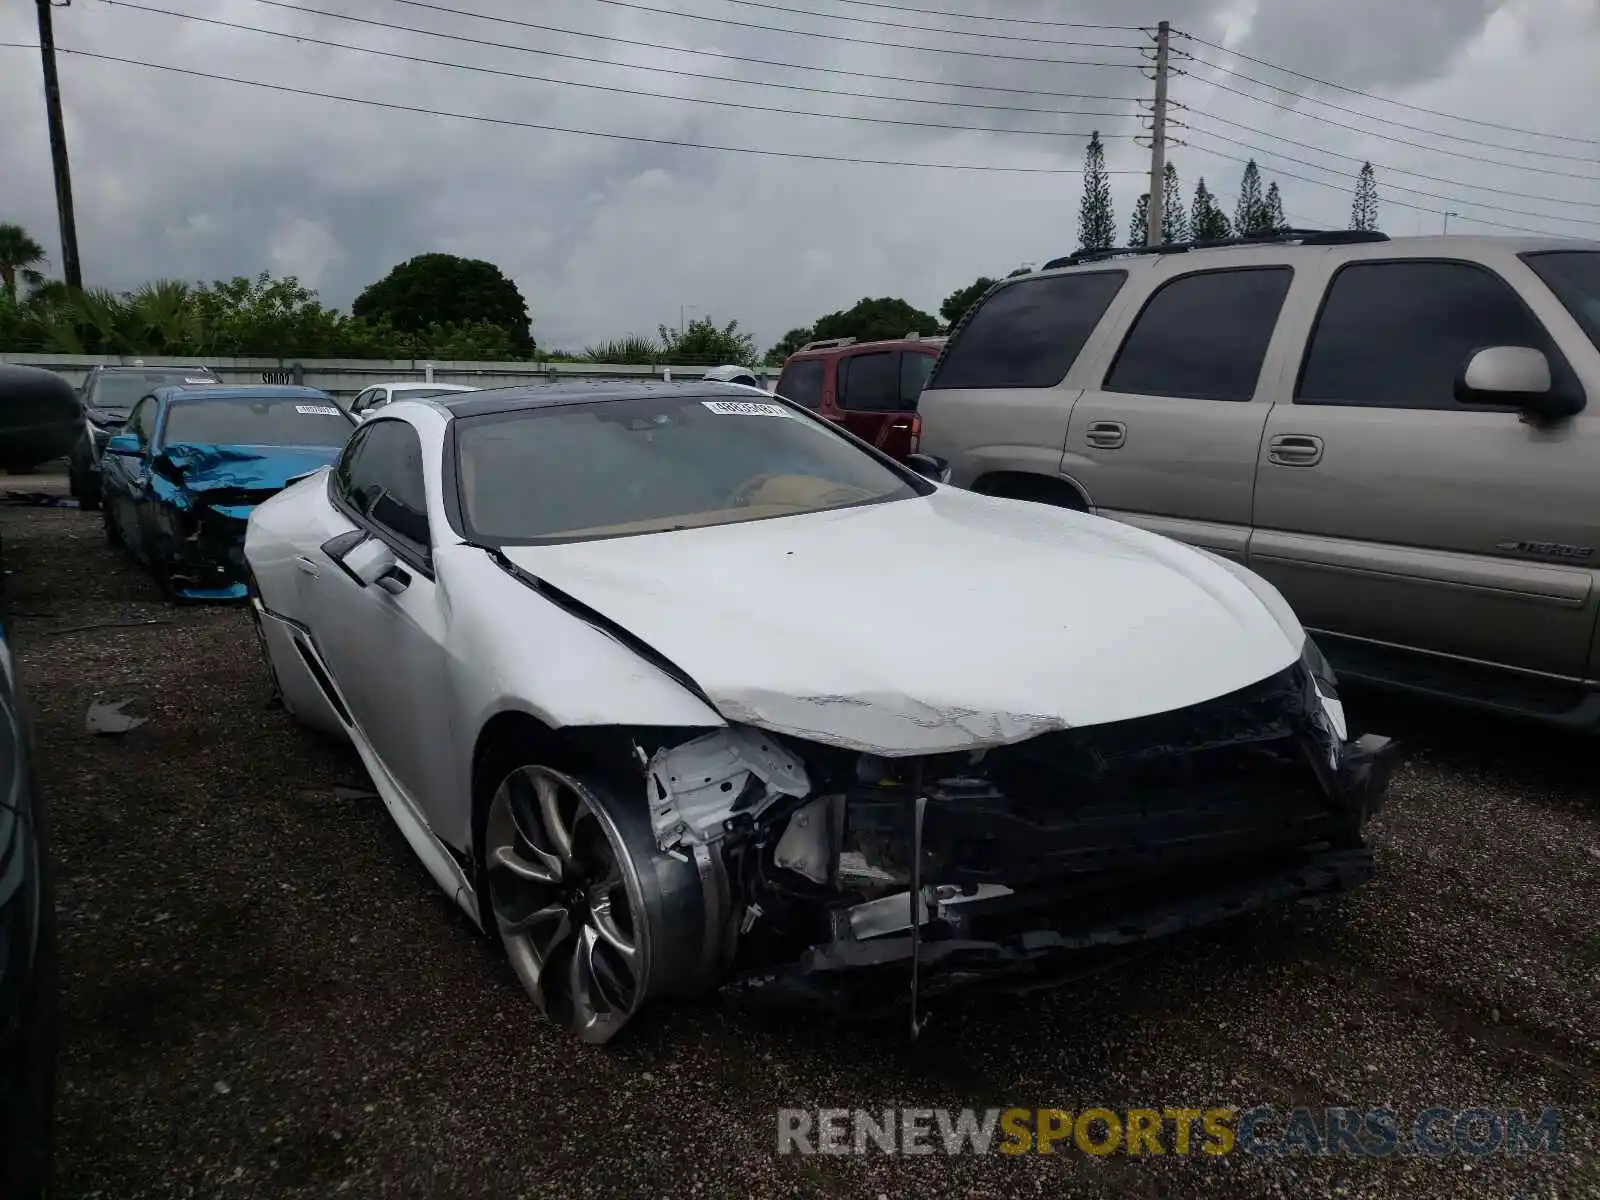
{"points": [[70, 269], [1447, 217], [1158, 138]]}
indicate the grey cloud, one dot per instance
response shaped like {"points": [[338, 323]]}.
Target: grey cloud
{"points": [[192, 178]]}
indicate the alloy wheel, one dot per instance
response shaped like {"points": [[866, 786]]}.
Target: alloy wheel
{"points": [[566, 899]]}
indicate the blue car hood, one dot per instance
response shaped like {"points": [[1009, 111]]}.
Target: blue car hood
{"points": [[245, 468]]}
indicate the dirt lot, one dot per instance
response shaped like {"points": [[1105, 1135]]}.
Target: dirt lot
{"points": [[264, 995]]}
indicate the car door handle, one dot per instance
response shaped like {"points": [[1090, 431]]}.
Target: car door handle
{"points": [[1106, 435], [1295, 450], [306, 565]]}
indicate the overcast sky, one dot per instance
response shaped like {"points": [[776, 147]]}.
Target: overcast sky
{"points": [[193, 178]]}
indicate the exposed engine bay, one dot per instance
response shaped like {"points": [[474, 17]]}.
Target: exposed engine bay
{"points": [[827, 872]]}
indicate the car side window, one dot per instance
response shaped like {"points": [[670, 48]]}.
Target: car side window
{"points": [[1396, 334], [382, 479], [870, 382], [1028, 335], [1203, 335], [801, 382], [142, 422], [914, 369]]}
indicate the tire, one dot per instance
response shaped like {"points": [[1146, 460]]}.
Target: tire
{"points": [[113, 530], [595, 919], [1036, 490]]}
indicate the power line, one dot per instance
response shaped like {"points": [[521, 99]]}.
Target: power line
{"points": [[1388, 137], [1433, 112], [606, 62], [1395, 187], [1007, 37], [1356, 158], [621, 91], [1342, 187], [594, 133], [935, 12], [742, 59], [839, 37]]}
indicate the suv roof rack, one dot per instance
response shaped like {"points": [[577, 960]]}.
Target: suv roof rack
{"points": [[1305, 237], [827, 344]]}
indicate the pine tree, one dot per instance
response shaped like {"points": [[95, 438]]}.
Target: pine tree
{"points": [[1206, 220], [1364, 208], [1272, 210], [1250, 211], [1097, 226], [1174, 221], [1139, 226]]}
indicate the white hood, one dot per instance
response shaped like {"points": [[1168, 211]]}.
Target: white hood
{"points": [[948, 622]]}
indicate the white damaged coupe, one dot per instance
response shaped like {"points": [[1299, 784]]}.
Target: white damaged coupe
{"points": [[676, 686]]}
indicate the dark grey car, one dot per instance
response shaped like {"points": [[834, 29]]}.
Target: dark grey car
{"points": [[108, 395]]}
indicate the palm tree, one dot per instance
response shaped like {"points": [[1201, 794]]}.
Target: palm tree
{"points": [[21, 256]]}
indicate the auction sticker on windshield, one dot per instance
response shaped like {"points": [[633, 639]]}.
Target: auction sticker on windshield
{"points": [[316, 410], [746, 408]]}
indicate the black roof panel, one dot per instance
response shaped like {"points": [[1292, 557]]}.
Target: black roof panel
{"points": [[578, 391]]}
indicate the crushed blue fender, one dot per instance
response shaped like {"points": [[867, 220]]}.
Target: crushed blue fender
{"points": [[186, 470], [205, 495]]}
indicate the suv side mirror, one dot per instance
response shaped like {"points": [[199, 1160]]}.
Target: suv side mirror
{"points": [[124, 443], [929, 466], [1519, 375]]}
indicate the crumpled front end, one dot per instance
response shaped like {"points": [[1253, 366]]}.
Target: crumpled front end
{"points": [[852, 880], [205, 495]]}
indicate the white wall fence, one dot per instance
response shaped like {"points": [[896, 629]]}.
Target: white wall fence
{"points": [[344, 377]]}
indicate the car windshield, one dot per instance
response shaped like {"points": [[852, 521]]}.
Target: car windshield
{"points": [[1574, 276], [117, 392], [612, 468], [257, 421]]}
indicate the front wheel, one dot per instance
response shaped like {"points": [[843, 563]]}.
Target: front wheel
{"points": [[595, 920]]}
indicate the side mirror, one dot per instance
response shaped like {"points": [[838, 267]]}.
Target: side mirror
{"points": [[929, 466], [124, 443], [1519, 375], [367, 561]]}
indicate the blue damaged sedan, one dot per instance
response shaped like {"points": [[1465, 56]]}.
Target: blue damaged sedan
{"points": [[191, 463]]}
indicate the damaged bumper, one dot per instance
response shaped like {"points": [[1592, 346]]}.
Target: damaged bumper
{"points": [[858, 882]]}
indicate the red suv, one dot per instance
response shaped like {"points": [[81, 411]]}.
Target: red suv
{"points": [[870, 388]]}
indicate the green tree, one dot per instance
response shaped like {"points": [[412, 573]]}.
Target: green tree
{"points": [[1206, 220], [1273, 218], [1139, 225], [788, 344], [1097, 224], [20, 258], [703, 343], [1174, 221], [1364, 207], [957, 302], [870, 320], [635, 349], [444, 289], [1250, 213]]}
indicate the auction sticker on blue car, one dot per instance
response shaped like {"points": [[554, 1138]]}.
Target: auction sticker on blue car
{"points": [[746, 408], [316, 410]]}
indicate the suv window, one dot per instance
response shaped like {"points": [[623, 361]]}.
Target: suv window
{"points": [[1574, 276], [1396, 334], [380, 476], [1028, 334], [1203, 335], [914, 369], [802, 382], [870, 382]]}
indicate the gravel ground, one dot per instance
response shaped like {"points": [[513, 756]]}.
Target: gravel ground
{"points": [[265, 996]]}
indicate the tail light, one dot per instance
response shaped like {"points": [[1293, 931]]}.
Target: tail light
{"points": [[916, 434]]}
